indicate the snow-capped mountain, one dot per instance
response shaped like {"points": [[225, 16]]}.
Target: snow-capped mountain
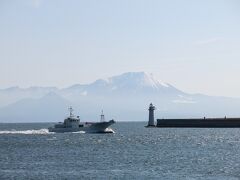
{"points": [[125, 84], [123, 97], [136, 79]]}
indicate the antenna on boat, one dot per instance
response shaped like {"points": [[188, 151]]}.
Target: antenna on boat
{"points": [[71, 111], [102, 117]]}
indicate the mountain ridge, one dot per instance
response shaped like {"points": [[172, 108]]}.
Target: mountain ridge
{"points": [[124, 97]]}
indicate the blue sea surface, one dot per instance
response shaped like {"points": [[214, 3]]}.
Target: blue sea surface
{"points": [[28, 151]]}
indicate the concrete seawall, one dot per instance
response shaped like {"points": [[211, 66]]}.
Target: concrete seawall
{"points": [[199, 123]]}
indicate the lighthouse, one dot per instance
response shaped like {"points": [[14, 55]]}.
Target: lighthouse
{"points": [[151, 115]]}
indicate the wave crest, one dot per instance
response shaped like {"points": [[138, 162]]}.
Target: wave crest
{"points": [[32, 131]]}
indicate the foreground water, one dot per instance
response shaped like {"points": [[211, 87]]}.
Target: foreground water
{"points": [[28, 151]]}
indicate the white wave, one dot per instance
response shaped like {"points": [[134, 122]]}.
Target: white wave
{"points": [[109, 130], [32, 131], [79, 132]]}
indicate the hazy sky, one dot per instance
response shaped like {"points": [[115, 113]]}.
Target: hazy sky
{"points": [[193, 45]]}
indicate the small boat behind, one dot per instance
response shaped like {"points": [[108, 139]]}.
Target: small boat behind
{"points": [[73, 124]]}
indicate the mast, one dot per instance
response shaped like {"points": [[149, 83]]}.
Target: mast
{"points": [[102, 117], [71, 111]]}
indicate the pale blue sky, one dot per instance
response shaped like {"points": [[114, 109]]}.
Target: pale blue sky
{"points": [[193, 45]]}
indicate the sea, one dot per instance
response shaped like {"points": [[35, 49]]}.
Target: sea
{"points": [[29, 151]]}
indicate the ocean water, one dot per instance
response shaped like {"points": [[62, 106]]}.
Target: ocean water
{"points": [[28, 151]]}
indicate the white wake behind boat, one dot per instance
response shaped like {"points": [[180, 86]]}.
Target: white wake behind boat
{"points": [[73, 124]]}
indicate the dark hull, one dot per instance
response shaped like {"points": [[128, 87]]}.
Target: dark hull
{"points": [[199, 123]]}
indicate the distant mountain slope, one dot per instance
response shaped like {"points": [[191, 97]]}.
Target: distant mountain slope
{"points": [[46, 109], [123, 97], [14, 94]]}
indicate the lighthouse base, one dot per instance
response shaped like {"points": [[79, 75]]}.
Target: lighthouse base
{"points": [[150, 126]]}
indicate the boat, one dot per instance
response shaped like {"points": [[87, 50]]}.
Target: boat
{"points": [[73, 124]]}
